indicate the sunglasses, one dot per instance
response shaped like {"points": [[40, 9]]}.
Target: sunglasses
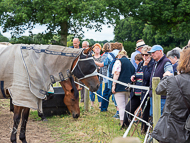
{"points": [[144, 55]]}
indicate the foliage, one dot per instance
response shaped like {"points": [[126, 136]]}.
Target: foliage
{"points": [[129, 47], [34, 39], [129, 30], [3, 38], [60, 16], [163, 15]]}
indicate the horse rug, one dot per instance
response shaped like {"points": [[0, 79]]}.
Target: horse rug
{"points": [[27, 71]]}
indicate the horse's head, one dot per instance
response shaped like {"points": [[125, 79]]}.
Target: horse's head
{"points": [[84, 69], [71, 98]]}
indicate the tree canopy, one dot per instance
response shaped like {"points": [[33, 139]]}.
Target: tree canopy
{"points": [[129, 30], [60, 16], [163, 15]]}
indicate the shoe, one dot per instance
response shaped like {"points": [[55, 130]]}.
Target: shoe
{"points": [[116, 116], [124, 127], [99, 107]]}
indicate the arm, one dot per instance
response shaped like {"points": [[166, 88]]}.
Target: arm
{"points": [[99, 64], [147, 69], [104, 63], [116, 73], [168, 67], [115, 76], [162, 86]]}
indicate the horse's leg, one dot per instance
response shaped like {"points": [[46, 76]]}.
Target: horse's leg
{"points": [[25, 115], [16, 119], [11, 106]]}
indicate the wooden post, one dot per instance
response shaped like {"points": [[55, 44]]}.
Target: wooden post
{"points": [[156, 103], [86, 100]]}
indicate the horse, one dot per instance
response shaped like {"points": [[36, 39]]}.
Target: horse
{"points": [[71, 93]]}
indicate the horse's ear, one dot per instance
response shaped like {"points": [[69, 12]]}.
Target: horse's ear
{"points": [[87, 50]]}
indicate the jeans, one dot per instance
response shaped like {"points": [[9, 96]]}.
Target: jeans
{"points": [[162, 106], [113, 98], [99, 91], [106, 95]]}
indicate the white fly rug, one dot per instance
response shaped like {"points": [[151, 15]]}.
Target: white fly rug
{"points": [[28, 70]]}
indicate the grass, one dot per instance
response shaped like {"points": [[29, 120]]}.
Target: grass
{"points": [[91, 127]]}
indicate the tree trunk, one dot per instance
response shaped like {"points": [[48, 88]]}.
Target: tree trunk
{"points": [[64, 32]]}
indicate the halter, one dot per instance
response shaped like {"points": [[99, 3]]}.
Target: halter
{"points": [[85, 67]]}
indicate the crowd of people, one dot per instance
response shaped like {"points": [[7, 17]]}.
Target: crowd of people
{"points": [[145, 63]]}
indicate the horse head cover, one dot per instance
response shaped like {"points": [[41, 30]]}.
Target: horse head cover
{"points": [[85, 67]]}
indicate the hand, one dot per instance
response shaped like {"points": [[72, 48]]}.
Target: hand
{"points": [[113, 89], [167, 73], [133, 78], [147, 61]]}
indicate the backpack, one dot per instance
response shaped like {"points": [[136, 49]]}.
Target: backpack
{"points": [[112, 63]]}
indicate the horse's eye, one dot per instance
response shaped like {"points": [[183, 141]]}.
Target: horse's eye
{"points": [[73, 99], [72, 90]]}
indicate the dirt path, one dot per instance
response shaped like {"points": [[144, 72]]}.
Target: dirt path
{"points": [[37, 132]]}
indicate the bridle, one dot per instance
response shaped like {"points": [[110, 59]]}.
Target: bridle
{"points": [[85, 67]]}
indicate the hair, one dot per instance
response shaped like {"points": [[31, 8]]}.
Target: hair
{"points": [[146, 48], [97, 44], [184, 62], [86, 43], [138, 57], [77, 39], [106, 47], [116, 45], [174, 53]]}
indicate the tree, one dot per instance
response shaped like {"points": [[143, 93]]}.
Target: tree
{"points": [[60, 16], [163, 15], [128, 29], [3, 38]]}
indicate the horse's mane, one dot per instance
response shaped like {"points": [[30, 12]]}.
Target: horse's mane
{"points": [[76, 93]]}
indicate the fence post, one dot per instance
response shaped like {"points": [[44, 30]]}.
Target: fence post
{"points": [[156, 103], [86, 100]]}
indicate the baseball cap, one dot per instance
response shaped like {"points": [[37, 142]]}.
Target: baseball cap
{"points": [[155, 48]]}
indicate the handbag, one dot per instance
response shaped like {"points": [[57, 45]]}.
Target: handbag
{"points": [[187, 124]]}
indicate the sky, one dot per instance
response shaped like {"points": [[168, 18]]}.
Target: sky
{"points": [[105, 34]]}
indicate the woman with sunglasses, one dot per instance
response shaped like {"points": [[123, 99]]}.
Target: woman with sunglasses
{"points": [[142, 78]]}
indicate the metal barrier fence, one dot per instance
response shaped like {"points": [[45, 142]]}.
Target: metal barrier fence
{"points": [[156, 103]]}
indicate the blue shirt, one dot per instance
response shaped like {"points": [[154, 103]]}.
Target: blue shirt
{"points": [[133, 59], [109, 58], [107, 62]]}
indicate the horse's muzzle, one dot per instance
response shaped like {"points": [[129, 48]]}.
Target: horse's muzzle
{"points": [[76, 115], [94, 88]]}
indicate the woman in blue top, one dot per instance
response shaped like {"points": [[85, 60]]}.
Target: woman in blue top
{"points": [[142, 78]]}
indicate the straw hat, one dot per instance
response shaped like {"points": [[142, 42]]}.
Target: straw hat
{"points": [[140, 43]]}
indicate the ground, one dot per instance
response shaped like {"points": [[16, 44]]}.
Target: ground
{"points": [[37, 132]]}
